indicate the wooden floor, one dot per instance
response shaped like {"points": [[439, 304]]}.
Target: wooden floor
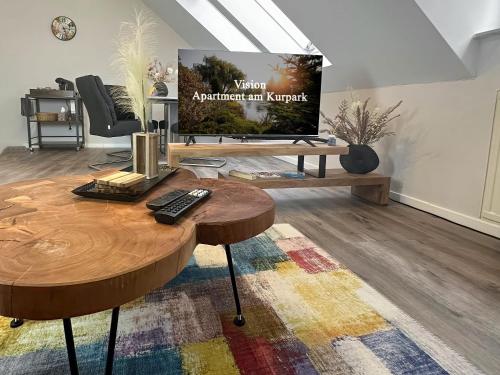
{"points": [[445, 276]]}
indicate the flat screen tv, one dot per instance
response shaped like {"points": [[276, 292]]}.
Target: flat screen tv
{"points": [[243, 94]]}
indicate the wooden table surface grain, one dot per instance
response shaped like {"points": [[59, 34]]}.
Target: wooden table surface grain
{"points": [[63, 256]]}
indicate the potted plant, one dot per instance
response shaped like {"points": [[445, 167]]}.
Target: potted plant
{"points": [[360, 127], [135, 47], [160, 75]]}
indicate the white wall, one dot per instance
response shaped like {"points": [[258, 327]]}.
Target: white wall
{"points": [[32, 57], [459, 20], [488, 52], [493, 18], [438, 158]]}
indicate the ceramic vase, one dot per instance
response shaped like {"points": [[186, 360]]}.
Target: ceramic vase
{"points": [[161, 89], [361, 159]]}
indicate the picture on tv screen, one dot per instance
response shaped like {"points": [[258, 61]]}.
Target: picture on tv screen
{"points": [[247, 93]]}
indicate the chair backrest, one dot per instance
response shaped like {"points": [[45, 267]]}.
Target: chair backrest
{"points": [[99, 104]]}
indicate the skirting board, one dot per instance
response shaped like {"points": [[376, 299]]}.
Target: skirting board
{"points": [[108, 145], [475, 223], [101, 145]]}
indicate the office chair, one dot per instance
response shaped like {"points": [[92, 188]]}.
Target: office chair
{"points": [[106, 118]]}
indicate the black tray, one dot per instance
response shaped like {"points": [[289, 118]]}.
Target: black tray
{"points": [[89, 190]]}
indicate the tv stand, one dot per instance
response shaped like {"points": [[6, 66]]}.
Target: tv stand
{"points": [[372, 186], [201, 162]]}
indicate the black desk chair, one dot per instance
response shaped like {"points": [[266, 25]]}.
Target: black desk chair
{"points": [[106, 119]]}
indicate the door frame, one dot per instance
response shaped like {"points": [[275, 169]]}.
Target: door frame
{"points": [[493, 168]]}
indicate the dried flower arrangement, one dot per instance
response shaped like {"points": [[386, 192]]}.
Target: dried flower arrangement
{"points": [[157, 72], [137, 40], [135, 48], [357, 124]]}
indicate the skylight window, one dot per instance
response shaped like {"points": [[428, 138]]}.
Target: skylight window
{"points": [[218, 25], [271, 27]]}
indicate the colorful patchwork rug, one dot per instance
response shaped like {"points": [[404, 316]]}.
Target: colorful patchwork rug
{"points": [[305, 314]]}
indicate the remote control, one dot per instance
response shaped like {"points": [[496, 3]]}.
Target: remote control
{"points": [[174, 210], [160, 202]]}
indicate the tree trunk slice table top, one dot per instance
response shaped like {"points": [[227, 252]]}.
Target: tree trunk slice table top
{"points": [[63, 255]]}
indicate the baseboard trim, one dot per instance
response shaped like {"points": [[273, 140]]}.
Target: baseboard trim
{"points": [[108, 145], [125, 146], [456, 217]]}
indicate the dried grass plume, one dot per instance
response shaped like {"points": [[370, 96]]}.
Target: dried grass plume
{"points": [[357, 124], [135, 49]]}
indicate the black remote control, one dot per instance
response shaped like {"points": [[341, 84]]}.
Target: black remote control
{"points": [[160, 202], [174, 210]]}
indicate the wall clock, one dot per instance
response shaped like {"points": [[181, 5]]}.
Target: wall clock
{"points": [[63, 28]]}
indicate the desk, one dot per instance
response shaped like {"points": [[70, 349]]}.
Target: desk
{"points": [[167, 101], [64, 256]]}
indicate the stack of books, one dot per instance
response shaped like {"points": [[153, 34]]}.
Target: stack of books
{"points": [[266, 175], [119, 183]]}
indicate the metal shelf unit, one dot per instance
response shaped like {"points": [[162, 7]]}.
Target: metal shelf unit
{"points": [[31, 105]]}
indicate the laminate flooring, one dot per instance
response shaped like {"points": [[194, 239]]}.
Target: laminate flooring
{"points": [[445, 276]]}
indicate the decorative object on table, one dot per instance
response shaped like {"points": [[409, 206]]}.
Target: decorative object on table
{"points": [[294, 174], [97, 189], [360, 160], [119, 182], [61, 116], [136, 45], [145, 151], [161, 74], [332, 141], [65, 84], [243, 175], [306, 313], [359, 126], [63, 28], [46, 116], [267, 174]]}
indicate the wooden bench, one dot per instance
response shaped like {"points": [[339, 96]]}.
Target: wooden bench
{"points": [[373, 187]]}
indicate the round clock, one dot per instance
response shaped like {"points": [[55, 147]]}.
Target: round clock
{"points": [[63, 28]]}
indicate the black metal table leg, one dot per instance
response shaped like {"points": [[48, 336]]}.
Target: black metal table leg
{"points": [[112, 340], [322, 166], [239, 320], [70, 346], [70, 343], [300, 163], [16, 322]]}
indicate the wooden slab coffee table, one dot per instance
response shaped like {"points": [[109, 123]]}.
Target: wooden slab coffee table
{"points": [[64, 256]]}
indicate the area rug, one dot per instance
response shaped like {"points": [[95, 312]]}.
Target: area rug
{"points": [[305, 314]]}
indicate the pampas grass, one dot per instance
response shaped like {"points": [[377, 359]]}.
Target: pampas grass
{"points": [[135, 49]]}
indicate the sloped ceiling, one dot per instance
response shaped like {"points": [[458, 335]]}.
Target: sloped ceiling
{"points": [[459, 20], [370, 43]]}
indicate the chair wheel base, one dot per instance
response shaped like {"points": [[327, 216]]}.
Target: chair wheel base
{"points": [[239, 321], [14, 323]]}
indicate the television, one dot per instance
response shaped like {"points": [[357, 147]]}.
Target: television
{"points": [[248, 94]]}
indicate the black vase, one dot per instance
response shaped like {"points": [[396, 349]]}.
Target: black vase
{"points": [[361, 159], [161, 89]]}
